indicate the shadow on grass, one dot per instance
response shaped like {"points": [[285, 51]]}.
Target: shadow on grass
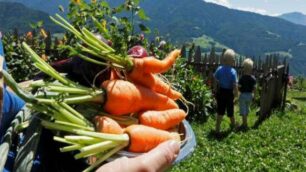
{"points": [[261, 119], [300, 98], [212, 135]]}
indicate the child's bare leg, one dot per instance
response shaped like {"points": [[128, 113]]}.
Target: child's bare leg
{"points": [[218, 123]]}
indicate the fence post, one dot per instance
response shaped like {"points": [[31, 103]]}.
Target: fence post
{"points": [[286, 74], [183, 51], [190, 54], [197, 59]]}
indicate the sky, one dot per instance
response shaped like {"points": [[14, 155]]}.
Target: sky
{"points": [[265, 7]]}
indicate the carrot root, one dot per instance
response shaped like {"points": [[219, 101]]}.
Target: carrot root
{"points": [[144, 138], [153, 65], [162, 119], [124, 97], [107, 125]]}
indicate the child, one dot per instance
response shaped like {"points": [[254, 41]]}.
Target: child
{"points": [[226, 77], [246, 87]]}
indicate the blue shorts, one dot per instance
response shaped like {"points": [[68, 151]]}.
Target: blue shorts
{"points": [[245, 100]]}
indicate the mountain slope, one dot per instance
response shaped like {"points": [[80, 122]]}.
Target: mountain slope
{"points": [[295, 17], [248, 33], [48, 6], [16, 15]]}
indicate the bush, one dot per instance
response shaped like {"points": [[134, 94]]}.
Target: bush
{"points": [[18, 62], [193, 88]]}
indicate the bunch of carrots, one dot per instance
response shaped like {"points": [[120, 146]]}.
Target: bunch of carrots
{"points": [[141, 96]]}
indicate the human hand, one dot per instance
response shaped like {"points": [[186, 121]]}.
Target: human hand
{"points": [[158, 159]]}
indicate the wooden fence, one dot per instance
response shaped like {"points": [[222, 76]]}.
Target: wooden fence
{"points": [[271, 74]]}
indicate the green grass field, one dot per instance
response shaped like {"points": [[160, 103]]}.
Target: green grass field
{"points": [[279, 144]]}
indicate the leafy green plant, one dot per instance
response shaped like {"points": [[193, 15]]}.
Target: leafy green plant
{"points": [[19, 65], [114, 23], [300, 83], [193, 88]]}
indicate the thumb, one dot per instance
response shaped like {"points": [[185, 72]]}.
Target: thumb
{"points": [[161, 157]]}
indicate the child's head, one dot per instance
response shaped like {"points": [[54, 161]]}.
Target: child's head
{"points": [[229, 57], [247, 66]]}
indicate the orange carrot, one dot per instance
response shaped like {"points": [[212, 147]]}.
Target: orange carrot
{"points": [[123, 97], [113, 75], [145, 68], [144, 138], [153, 65], [154, 83], [162, 119], [107, 125]]}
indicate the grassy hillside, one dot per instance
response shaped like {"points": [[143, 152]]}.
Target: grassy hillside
{"points": [[16, 15], [206, 43], [277, 145]]}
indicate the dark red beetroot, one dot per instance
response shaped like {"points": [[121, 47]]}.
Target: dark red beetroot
{"points": [[138, 52]]}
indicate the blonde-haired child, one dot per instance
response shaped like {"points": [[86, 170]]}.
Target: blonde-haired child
{"points": [[226, 89], [246, 87]]}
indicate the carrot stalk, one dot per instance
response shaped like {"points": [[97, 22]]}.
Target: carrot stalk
{"points": [[83, 139], [98, 46], [65, 89], [61, 127], [14, 86], [71, 110], [95, 149], [104, 157], [62, 140], [101, 28], [71, 148], [43, 66], [74, 125], [97, 97], [74, 119], [112, 137]]}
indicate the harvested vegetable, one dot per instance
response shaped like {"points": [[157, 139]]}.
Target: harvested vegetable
{"points": [[138, 139], [144, 92], [144, 138], [138, 51], [162, 119], [139, 70], [118, 97], [107, 125], [144, 71], [123, 97]]}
